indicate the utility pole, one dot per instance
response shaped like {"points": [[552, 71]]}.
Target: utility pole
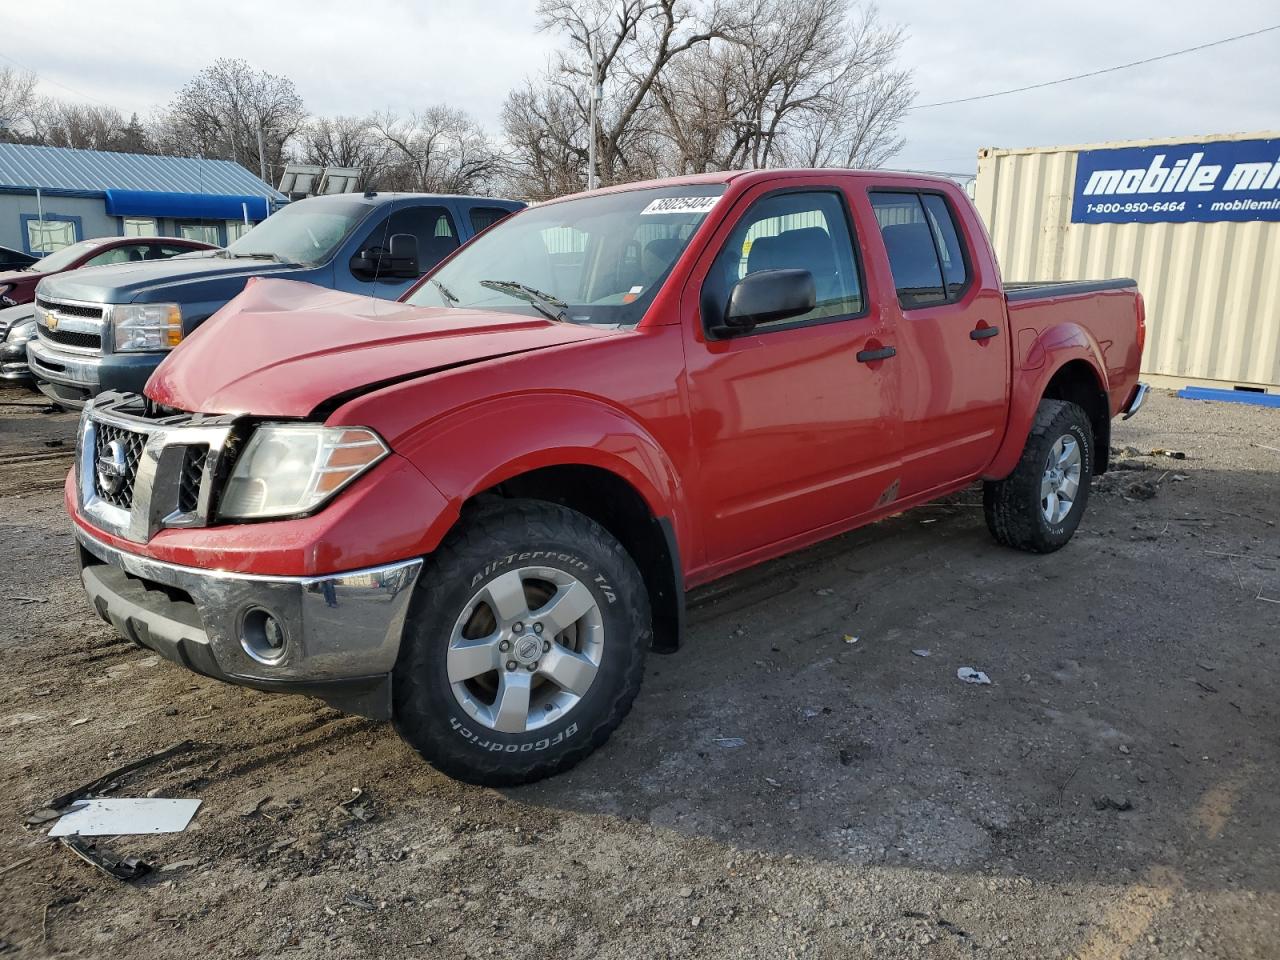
{"points": [[594, 97], [262, 156]]}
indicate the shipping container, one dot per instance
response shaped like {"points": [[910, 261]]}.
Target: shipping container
{"points": [[1195, 220]]}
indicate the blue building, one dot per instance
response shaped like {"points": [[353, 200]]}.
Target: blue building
{"points": [[52, 196]]}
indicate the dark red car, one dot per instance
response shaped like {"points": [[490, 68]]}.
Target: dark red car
{"points": [[19, 286]]}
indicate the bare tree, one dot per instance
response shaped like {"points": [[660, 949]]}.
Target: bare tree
{"points": [[17, 99], [547, 133], [345, 142], [635, 41], [856, 123], [719, 84], [55, 123], [803, 82], [437, 150], [220, 112]]}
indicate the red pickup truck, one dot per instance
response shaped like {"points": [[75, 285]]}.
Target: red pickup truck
{"points": [[472, 512]]}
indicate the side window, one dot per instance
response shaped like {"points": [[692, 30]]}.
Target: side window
{"points": [[943, 223], [122, 254], [164, 252], [482, 218], [925, 253], [804, 231], [432, 226]]}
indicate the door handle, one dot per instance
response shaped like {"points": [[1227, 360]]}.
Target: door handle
{"points": [[870, 356], [984, 333]]}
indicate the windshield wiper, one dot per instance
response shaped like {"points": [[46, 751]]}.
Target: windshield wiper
{"points": [[445, 292], [256, 256], [550, 307]]}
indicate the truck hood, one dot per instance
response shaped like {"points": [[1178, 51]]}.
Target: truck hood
{"points": [[154, 281], [282, 348]]}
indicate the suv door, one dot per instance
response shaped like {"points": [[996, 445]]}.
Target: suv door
{"points": [[955, 369], [793, 431]]}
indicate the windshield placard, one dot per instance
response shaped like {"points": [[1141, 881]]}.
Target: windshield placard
{"points": [[699, 205]]}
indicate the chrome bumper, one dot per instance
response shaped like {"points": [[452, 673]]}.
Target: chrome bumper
{"points": [[341, 633], [1136, 401], [68, 369]]}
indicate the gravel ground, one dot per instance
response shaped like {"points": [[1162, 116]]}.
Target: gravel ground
{"points": [[797, 781]]}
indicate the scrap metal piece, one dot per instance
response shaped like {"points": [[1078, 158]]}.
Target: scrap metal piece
{"points": [[121, 816], [109, 862], [54, 808]]}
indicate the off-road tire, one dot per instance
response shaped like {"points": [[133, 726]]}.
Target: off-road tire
{"points": [[486, 544], [1012, 505]]}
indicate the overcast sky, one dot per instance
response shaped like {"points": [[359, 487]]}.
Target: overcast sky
{"points": [[358, 57]]}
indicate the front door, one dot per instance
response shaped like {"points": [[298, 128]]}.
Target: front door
{"points": [[795, 423]]}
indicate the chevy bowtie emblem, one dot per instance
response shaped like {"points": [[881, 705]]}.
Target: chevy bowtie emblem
{"points": [[51, 321], [112, 467]]}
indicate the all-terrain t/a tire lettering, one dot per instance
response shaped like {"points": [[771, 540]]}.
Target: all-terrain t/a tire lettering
{"points": [[524, 647]]}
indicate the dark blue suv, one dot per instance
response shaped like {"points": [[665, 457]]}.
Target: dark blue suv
{"points": [[107, 328]]}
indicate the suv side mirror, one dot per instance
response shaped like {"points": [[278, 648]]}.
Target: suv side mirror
{"points": [[400, 262], [404, 255], [764, 297]]}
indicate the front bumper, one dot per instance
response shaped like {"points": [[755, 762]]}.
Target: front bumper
{"points": [[74, 378], [13, 361], [341, 632]]}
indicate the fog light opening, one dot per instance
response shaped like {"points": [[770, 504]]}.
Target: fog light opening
{"points": [[263, 636]]}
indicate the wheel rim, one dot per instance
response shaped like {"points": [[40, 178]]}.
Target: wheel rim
{"points": [[525, 649], [1061, 481]]}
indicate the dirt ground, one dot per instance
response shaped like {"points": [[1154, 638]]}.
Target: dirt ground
{"points": [[796, 781]]}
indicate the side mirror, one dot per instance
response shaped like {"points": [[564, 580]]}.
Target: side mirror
{"points": [[404, 255], [764, 297], [400, 262]]}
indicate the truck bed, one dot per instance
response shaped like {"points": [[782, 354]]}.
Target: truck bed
{"points": [[1031, 289]]}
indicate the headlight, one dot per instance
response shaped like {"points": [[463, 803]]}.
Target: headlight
{"points": [[146, 326], [288, 469], [22, 331]]}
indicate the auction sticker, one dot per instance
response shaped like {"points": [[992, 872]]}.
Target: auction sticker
{"points": [[680, 205]]}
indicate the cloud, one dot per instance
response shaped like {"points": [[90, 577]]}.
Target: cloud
{"points": [[353, 58], [961, 50]]}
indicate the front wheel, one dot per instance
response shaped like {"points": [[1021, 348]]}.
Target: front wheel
{"points": [[524, 646], [1038, 507]]}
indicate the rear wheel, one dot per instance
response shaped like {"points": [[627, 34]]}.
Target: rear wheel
{"points": [[1038, 506], [524, 647]]}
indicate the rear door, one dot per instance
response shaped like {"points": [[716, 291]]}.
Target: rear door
{"points": [[952, 348], [793, 432]]}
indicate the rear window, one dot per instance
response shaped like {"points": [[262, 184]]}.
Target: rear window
{"points": [[922, 241], [482, 218]]}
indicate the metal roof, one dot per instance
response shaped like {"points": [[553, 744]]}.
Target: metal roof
{"points": [[59, 169]]}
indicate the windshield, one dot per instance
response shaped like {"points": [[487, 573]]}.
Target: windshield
{"points": [[597, 260], [303, 232], [65, 257]]}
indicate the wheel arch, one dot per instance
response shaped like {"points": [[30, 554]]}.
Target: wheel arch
{"points": [[1070, 369], [578, 452], [618, 506]]}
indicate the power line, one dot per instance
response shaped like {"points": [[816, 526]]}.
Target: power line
{"points": [[1095, 73], [42, 79]]}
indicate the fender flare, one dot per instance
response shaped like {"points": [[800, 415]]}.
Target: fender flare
{"points": [[1047, 354], [554, 429]]}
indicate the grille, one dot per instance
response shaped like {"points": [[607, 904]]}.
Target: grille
{"points": [[193, 461], [69, 338], [132, 444], [70, 309]]}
